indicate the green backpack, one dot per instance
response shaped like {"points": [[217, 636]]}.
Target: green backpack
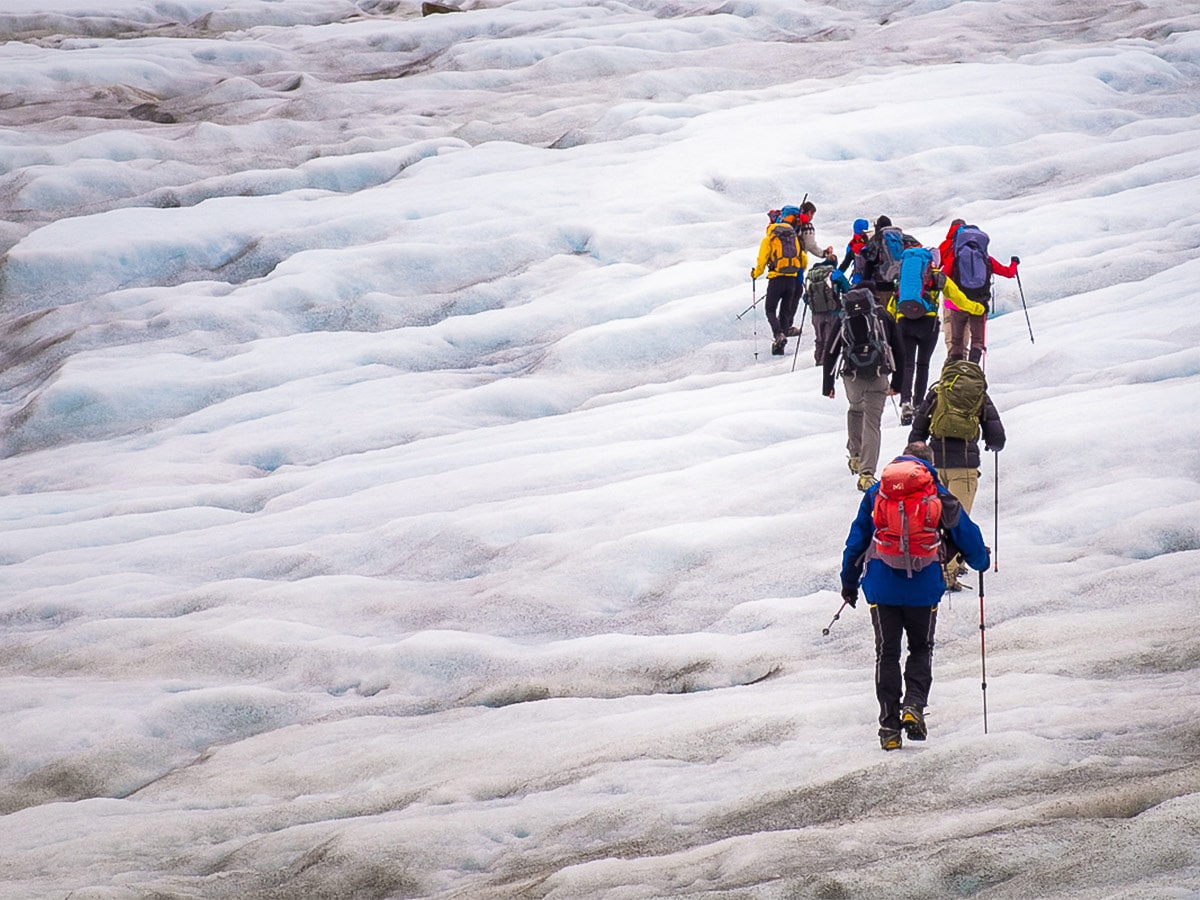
{"points": [[961, 392]]}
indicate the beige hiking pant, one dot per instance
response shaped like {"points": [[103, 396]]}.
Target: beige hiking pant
{"points": [[962, 483]]}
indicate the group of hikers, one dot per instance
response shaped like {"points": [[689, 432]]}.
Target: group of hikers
{"points": [[877, 329]]}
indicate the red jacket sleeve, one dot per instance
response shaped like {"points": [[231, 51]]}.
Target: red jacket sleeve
{"points": [[1009, 271]]}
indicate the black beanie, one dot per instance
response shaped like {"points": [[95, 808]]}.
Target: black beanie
{"points": [[883, 222]]}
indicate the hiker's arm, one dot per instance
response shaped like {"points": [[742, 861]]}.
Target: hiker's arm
{"points": [[969, 540], [846, 260], [957, 298], [857, 542], [1009, 271], [991, 426], [764, 254], [922, 417]]}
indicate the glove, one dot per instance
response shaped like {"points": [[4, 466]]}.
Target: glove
{"points": [[850, 595], [1016, 260], [753, 276]]}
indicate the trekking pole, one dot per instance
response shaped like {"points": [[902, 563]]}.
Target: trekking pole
{"points": [[996, 516], [836, 616], [1024, 307], [983, 346], [895, 407], [982, 653], [796, 355], [754, 294]]}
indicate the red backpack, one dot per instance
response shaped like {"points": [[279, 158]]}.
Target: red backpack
{"points": [[906, 515]]}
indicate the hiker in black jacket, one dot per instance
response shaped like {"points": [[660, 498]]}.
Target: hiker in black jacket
{"points": [[957, 458], [870, 367]]}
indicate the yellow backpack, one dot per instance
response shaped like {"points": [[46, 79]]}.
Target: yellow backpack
{"points": [[785, 250]]}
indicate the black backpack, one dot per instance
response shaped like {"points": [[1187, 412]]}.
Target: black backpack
{"points": [[822, 295], [866, 349]]}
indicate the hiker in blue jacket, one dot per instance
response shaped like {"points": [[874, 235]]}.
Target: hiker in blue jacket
{"points": [[904, 604]]}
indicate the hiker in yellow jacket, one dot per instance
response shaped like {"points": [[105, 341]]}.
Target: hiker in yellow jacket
{"points": [[783, 259]]}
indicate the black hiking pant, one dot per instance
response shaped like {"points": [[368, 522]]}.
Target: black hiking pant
{"points": [[892, 624], [920, 337], [782, 296]]}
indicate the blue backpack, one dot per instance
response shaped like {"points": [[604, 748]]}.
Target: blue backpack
{"points": [[891, 244], [972, 268], [916, 295]]}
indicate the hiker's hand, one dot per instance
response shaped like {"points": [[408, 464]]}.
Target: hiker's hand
{"points": [[831, 394], [753, 275], [1016, 260], [892, 392], [850, 595]]}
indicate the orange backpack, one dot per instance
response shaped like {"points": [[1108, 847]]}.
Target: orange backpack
{"points": [[906, 515]]}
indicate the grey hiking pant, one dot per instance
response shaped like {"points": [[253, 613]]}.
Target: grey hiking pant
{"points": [[867, 396], [825, 329]]}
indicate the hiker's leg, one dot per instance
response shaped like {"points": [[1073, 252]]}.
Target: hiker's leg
{"points": [[926, 344], [920, 622], [874, 398], [976, 324], [889, 628], [771, 304], [962, 483], [855, 399], [910, 336], [956, 327]]}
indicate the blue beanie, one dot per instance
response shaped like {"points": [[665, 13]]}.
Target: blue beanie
{"points": [[789, 211], [861, 226]]}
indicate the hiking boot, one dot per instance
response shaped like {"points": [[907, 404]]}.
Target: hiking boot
{"points": [[950, 576], [906, 413], [889, 739], [913, 722], [865, 480], [853, 462], [778, 345], [793, 332]]}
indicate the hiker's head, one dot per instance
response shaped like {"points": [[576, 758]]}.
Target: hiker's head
{"points": [[808, 208], [920, 450], [789, 213], [883, 222], [861, 226]]}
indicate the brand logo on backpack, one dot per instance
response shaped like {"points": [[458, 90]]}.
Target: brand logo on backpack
{"points": [[866, 349], [906, 516], [785, 250], [917, 289], [972, 266]]}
